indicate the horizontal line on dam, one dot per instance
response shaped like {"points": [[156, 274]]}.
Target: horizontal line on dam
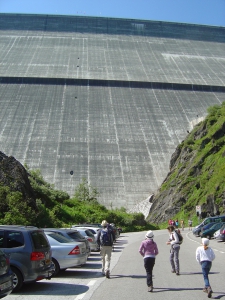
{"points": [[112, 83]]}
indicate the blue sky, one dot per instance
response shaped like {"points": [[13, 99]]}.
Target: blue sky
{"points": [[207, 12]]}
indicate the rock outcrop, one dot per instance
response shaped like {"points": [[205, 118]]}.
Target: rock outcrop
{"points": [[196, 175], [15, 176]]}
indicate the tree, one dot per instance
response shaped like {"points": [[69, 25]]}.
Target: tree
{"points": [[86, 192]]}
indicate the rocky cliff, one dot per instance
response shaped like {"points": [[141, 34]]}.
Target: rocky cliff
{"points": [[197, 172], [15, 176]]}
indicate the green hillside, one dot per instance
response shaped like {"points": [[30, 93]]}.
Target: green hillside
{"points": [[197, 173]]}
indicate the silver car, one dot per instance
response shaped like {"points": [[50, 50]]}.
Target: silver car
{"points": [[73, 235], [65, 254], [90, 238]]}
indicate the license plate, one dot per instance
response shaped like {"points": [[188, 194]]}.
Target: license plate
{"points": [[5, 285]]}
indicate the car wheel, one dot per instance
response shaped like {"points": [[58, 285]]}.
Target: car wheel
{"points": [[17, 279], [56, 267]]}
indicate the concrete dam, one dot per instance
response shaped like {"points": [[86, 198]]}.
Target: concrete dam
{"points": [[109, 99]]}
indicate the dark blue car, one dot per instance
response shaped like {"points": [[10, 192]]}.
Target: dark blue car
{"points": [[208, 233]]}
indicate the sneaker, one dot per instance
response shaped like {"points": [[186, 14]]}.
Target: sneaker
{"points": [[173, 271], [205, 290], [209, 292], [177, 273], [107, 274], [150, 288]]}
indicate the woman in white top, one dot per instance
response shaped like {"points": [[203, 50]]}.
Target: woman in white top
{"points": [[205, 256]]}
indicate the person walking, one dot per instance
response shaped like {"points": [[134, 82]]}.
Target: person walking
{"points": [[174, 250], [148, 249], [190, 224], [105, 238], [182, 224], [204, 256]]}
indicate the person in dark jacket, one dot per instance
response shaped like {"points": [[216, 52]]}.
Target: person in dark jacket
{"points": [[148, 249], [105, 246]]}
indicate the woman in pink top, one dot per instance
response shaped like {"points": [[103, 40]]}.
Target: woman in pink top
{"points": [[148, 249]]}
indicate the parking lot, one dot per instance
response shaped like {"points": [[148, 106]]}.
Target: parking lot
{"points": [[73, 283]]}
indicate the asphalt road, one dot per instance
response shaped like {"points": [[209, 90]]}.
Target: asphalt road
{"points": [[128, 279]]}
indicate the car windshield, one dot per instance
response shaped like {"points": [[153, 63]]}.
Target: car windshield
{"points": [[58, 237], [39, 240]]}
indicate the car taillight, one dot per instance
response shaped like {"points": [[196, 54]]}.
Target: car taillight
{"points": [[90, 240], [224, 231], [37, 256], [75, 251]]}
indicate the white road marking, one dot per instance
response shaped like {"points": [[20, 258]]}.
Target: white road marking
{"points": [[187, 235], [81, 296]]}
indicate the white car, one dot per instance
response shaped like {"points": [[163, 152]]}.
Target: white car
{"points": [[93, 230], [65, 254], [216, 234], [90, 238]]}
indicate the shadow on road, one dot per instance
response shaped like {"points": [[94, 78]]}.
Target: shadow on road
{"points": [[93, 258], [120, 242], [170, 289], [72, 273], [52, 288], [130, 276], [219, 296], [197, 273]]}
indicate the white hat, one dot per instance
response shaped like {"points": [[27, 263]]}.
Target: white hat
{"points": [[104, 223], [149, 235], [205, 241]]}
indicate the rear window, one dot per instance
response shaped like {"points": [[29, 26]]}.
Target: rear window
{"points": [[89, 233], [75, 235], [59, 238], [39, 240], [92, 230], [14, 239]]}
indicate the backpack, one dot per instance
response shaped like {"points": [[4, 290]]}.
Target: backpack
{"points": [[180, 237], [106, 238]]}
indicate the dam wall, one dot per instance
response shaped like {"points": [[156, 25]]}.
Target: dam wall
{"points": [[109, 99]]}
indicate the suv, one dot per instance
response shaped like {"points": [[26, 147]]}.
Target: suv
{"points": [[6, 283], [29, 252], [73, 235]]}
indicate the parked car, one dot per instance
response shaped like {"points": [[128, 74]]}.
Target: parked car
{"points": [[207, 226], [73, 235], [216, 234], [6, 276], [208, 233], [88, 225], [221, 236], [197, 229], [86, 233], [93, 230], [65, 253], [120, 230], [29, 252]]}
